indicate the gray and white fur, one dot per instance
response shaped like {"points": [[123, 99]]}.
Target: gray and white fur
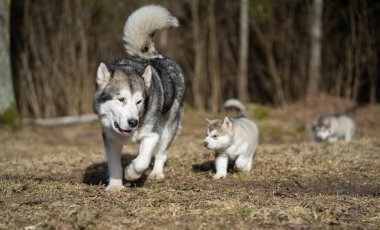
{"points": [[232, 139], [333, 127], [140, 28], [139, 100]]}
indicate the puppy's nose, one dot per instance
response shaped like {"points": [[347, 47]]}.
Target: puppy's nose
{"points": [[133, 123], [205, 144]]}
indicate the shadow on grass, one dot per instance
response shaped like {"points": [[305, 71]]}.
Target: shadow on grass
{"points": [[209, 166], [97, 174]]}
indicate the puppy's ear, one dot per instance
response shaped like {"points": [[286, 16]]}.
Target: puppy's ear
{"points": [[227, 123], [327, 123], [103, 76], [311, 126], [207, 120], [147, 76]]}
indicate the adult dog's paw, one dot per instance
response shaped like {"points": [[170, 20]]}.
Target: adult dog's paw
{"points": [[131, 174], [115, 186], [156, 176], [218, 176]]}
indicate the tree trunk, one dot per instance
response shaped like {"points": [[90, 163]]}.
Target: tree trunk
{"points": [[266, 44], [242, 89], [215, 99], [199, 77], [315, 52], [8, 111]]}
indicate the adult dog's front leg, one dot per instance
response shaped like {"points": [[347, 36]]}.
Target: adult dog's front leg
{"points": [[141, 163], [113, 150]]}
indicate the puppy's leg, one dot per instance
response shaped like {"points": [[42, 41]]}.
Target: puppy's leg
{"points": [[244, 163], [348, 136], [135, 170], [332, 139], [221, 164], [113, 150]]}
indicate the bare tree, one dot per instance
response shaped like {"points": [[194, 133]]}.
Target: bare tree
{"points": [[8, 112], [198, 77], [267, 47], [315, 52], [242, 86], [215, 99]]}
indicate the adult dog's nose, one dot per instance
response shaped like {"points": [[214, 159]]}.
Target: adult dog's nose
{"points": [[133, 123], [205, 144]]}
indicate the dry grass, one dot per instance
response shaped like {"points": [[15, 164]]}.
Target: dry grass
{"points": [[55, 178]]}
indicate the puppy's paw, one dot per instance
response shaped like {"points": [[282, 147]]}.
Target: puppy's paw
{"points": [[156, 176], [245, 168], [218, 176], [131, 174], [115, 186]]}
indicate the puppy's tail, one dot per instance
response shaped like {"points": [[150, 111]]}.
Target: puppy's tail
{"points": [[140, 28], [237, 106]]}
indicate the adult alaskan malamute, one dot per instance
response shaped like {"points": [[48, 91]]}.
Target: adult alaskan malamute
{"points": [[140, 99], [232, 139], [332, 127]]}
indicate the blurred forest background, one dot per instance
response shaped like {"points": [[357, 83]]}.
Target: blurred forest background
{"points": [[56, 46]]}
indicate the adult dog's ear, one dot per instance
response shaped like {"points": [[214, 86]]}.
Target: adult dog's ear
{"points": [[103, 76], [210, 122], [147, 76]]}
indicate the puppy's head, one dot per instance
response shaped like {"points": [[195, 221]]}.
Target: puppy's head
{"points": [[219, 134], [120, 98], [322, 130]]}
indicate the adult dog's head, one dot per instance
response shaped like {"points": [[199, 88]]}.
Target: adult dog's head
{"points": [[120, 97]]}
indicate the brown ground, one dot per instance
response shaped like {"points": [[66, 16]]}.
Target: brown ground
{"points": [[55, 177]]}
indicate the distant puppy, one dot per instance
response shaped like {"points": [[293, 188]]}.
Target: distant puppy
{"points": [[232, 139], [333, 127]]}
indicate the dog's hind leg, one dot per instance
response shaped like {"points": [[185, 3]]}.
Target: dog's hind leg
{"points": [[244, 163], [166, 139], [135, 170], [169, 132], [348, 136]]}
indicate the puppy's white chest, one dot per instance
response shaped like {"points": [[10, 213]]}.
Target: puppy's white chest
{"points": [[236, 150]]}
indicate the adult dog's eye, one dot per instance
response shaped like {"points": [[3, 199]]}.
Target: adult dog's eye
{"points": [[145, 49], [122, 99], [138, 102]]}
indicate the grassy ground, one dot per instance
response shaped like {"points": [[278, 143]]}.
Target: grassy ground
{"points": [[55, 178]]}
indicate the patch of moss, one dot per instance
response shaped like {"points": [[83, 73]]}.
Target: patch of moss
{"points": [[261, 112], [9, 117]]}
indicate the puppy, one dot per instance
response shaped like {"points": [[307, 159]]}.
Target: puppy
{"points": [[232, 139], [333, 127]]}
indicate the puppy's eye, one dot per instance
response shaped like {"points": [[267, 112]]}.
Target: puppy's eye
{"points": [[122, 100], [214, 136], [145, 49], [138, 102]]}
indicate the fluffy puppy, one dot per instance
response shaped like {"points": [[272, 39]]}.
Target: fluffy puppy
{"points": [[332, 127], [232, 139]]}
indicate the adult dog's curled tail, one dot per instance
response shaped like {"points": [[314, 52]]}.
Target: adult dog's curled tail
{"points": [[237, 106], [140, 28]]}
